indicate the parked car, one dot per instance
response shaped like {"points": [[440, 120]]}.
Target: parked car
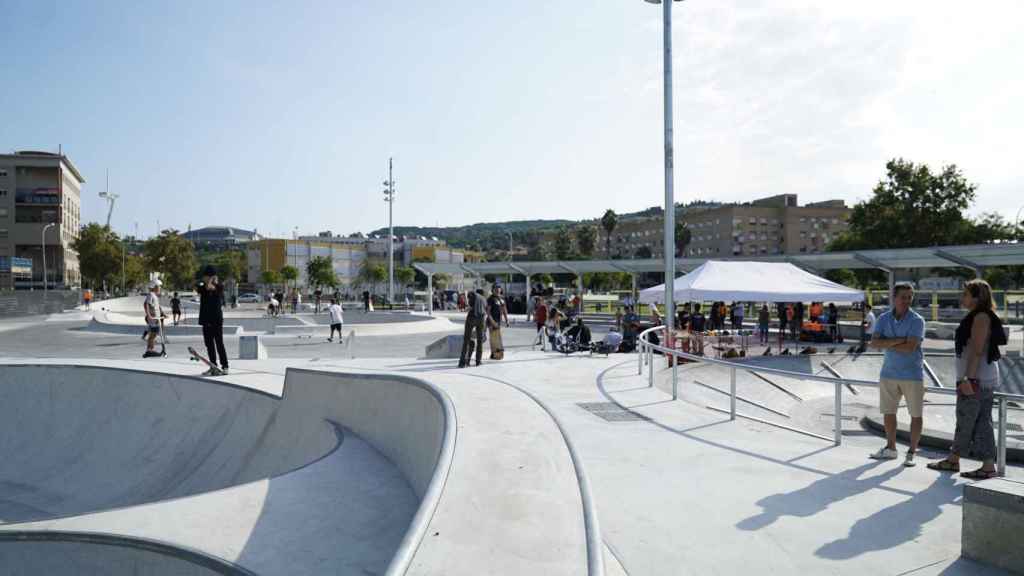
{"points": [[249, 298]]}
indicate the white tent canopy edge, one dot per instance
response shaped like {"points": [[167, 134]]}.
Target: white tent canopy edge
{"points": [[739, 281]]}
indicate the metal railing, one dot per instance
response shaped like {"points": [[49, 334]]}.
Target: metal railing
{"points": [[647, 349]]}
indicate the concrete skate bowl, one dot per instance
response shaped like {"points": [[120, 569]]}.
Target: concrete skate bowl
{"points": [[134, 472]]}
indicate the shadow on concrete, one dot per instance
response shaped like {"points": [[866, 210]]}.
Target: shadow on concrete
{"points": [[895, 525], [686, 434], [817, 496]]}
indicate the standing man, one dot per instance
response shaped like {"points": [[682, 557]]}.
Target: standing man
{"points": [[337, 320], [154, 315], [900, 332], [475, 318], [366, 301], [495, 310], [316, 296], [175, 309], [867, 326], [540, 318], [211, 318]]}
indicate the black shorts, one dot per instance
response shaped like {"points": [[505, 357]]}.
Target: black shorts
{"points": [[336, 327], [153, 328]]}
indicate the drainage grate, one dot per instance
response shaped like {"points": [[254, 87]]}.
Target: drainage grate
{"points": [[611, 412]]}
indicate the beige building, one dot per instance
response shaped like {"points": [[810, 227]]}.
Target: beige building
{"points": [[38, 189], [774, 225], [274, 254]]}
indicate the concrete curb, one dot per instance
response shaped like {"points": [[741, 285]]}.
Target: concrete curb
{"points": [[929, 437]]}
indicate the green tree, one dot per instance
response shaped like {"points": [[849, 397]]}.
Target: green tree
{"points": [[682, 239], [99, 255], [270, 278], [586, 240], [563, 244], [320, 271], [372, 273], [289, 274], [173, 257], [441, 280], [912, 207], [404, 276], [843, 276], [135, 276], [609, 221]]}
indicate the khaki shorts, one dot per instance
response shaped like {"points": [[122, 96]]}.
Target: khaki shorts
{"points": [[890, 391]]}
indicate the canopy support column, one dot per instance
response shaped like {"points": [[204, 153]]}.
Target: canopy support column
{"points": [[430, 294], [977, 268], [884, 268]]}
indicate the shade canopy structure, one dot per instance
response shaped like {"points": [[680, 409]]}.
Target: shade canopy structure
{"points": [[739, 281]]}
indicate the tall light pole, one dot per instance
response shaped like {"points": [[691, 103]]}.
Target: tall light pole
{"points": [[509, 287], [670, 206], [389, 197], [45, 228]]}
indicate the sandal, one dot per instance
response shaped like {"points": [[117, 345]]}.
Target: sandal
{"points": [[980, 474], [944, 465]]}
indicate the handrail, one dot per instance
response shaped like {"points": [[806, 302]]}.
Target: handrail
{"points": [[646, 350]]}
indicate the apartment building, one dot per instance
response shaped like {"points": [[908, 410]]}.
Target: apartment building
{"points": [[774, 225], [40, 193]]}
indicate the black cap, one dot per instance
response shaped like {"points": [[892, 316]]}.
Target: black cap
{"points": [[209, 271]]}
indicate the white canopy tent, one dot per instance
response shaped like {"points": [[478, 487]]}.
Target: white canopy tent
{"points": [[735, 281]]}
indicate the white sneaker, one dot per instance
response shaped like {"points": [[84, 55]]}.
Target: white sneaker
{"points": [[885, 454], [224, 371], [908, 460]]}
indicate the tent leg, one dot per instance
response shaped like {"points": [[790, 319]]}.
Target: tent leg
{"points": [[430, 294], [892, 287]]}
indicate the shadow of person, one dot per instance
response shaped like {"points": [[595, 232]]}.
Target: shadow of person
{"points": [[816, 496], [892, 526]]}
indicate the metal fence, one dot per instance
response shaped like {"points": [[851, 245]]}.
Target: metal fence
{"points": [[647, 349]]}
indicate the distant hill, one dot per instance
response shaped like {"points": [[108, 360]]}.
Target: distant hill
{"points": [[494, 235]]}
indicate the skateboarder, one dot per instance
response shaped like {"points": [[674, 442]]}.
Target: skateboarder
{"points": [[211, 318], [175, 309], [337, 320]]}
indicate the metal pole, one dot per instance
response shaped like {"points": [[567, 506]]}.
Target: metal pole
{"points": [[650, 367], [123, 293], [670, 210], [1001, 457], [391, 236], [732, 394], [45, 228], [430, 294], [838, 414], [640, 357], [507, 296], [675, 378]]}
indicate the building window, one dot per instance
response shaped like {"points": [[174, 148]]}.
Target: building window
{"points": [[752, 220], [803, 234], [803, 220], [3, 232], [3, 192], [3, 173], [3, 212]]}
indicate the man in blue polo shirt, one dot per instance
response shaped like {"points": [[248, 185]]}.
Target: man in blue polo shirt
{"points": [[900, 331]]}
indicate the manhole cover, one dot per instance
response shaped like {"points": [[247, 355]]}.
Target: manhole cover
{"points": [[611, 412]]}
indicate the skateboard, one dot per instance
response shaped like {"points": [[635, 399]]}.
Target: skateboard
{"points": [[197, 357]]}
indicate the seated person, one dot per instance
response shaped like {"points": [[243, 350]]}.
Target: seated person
{"points": [[611, 341], [581, 333]]}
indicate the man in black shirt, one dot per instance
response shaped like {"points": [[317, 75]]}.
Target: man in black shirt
{"points": [[475, 318], [211, 318]]}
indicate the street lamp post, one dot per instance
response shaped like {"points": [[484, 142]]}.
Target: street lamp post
{"points": [[389, 197], [670, 210], [509, 286], [45, 228]]}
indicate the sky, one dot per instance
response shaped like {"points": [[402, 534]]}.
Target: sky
{"points": [[282, 116]]}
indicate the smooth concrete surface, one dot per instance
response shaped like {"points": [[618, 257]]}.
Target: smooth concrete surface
{"points": [[449, 346], [250, 347], [92, 556], [994, 523]]}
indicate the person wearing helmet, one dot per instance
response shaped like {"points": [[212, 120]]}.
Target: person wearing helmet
{"points": [[154, 315], [211, 317]]}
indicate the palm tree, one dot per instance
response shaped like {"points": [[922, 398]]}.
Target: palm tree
{"points": [[609, 221]]}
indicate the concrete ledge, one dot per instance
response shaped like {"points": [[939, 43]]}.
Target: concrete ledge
{"points": [[250, 347], [115, 323], [993, 521], [449, 346], [930, 437]]}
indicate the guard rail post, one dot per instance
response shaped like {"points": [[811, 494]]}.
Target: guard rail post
{"points": [[640, 357], [650, 367], [732, 393], [675, 377], [839, 414], [1001, 447]]}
